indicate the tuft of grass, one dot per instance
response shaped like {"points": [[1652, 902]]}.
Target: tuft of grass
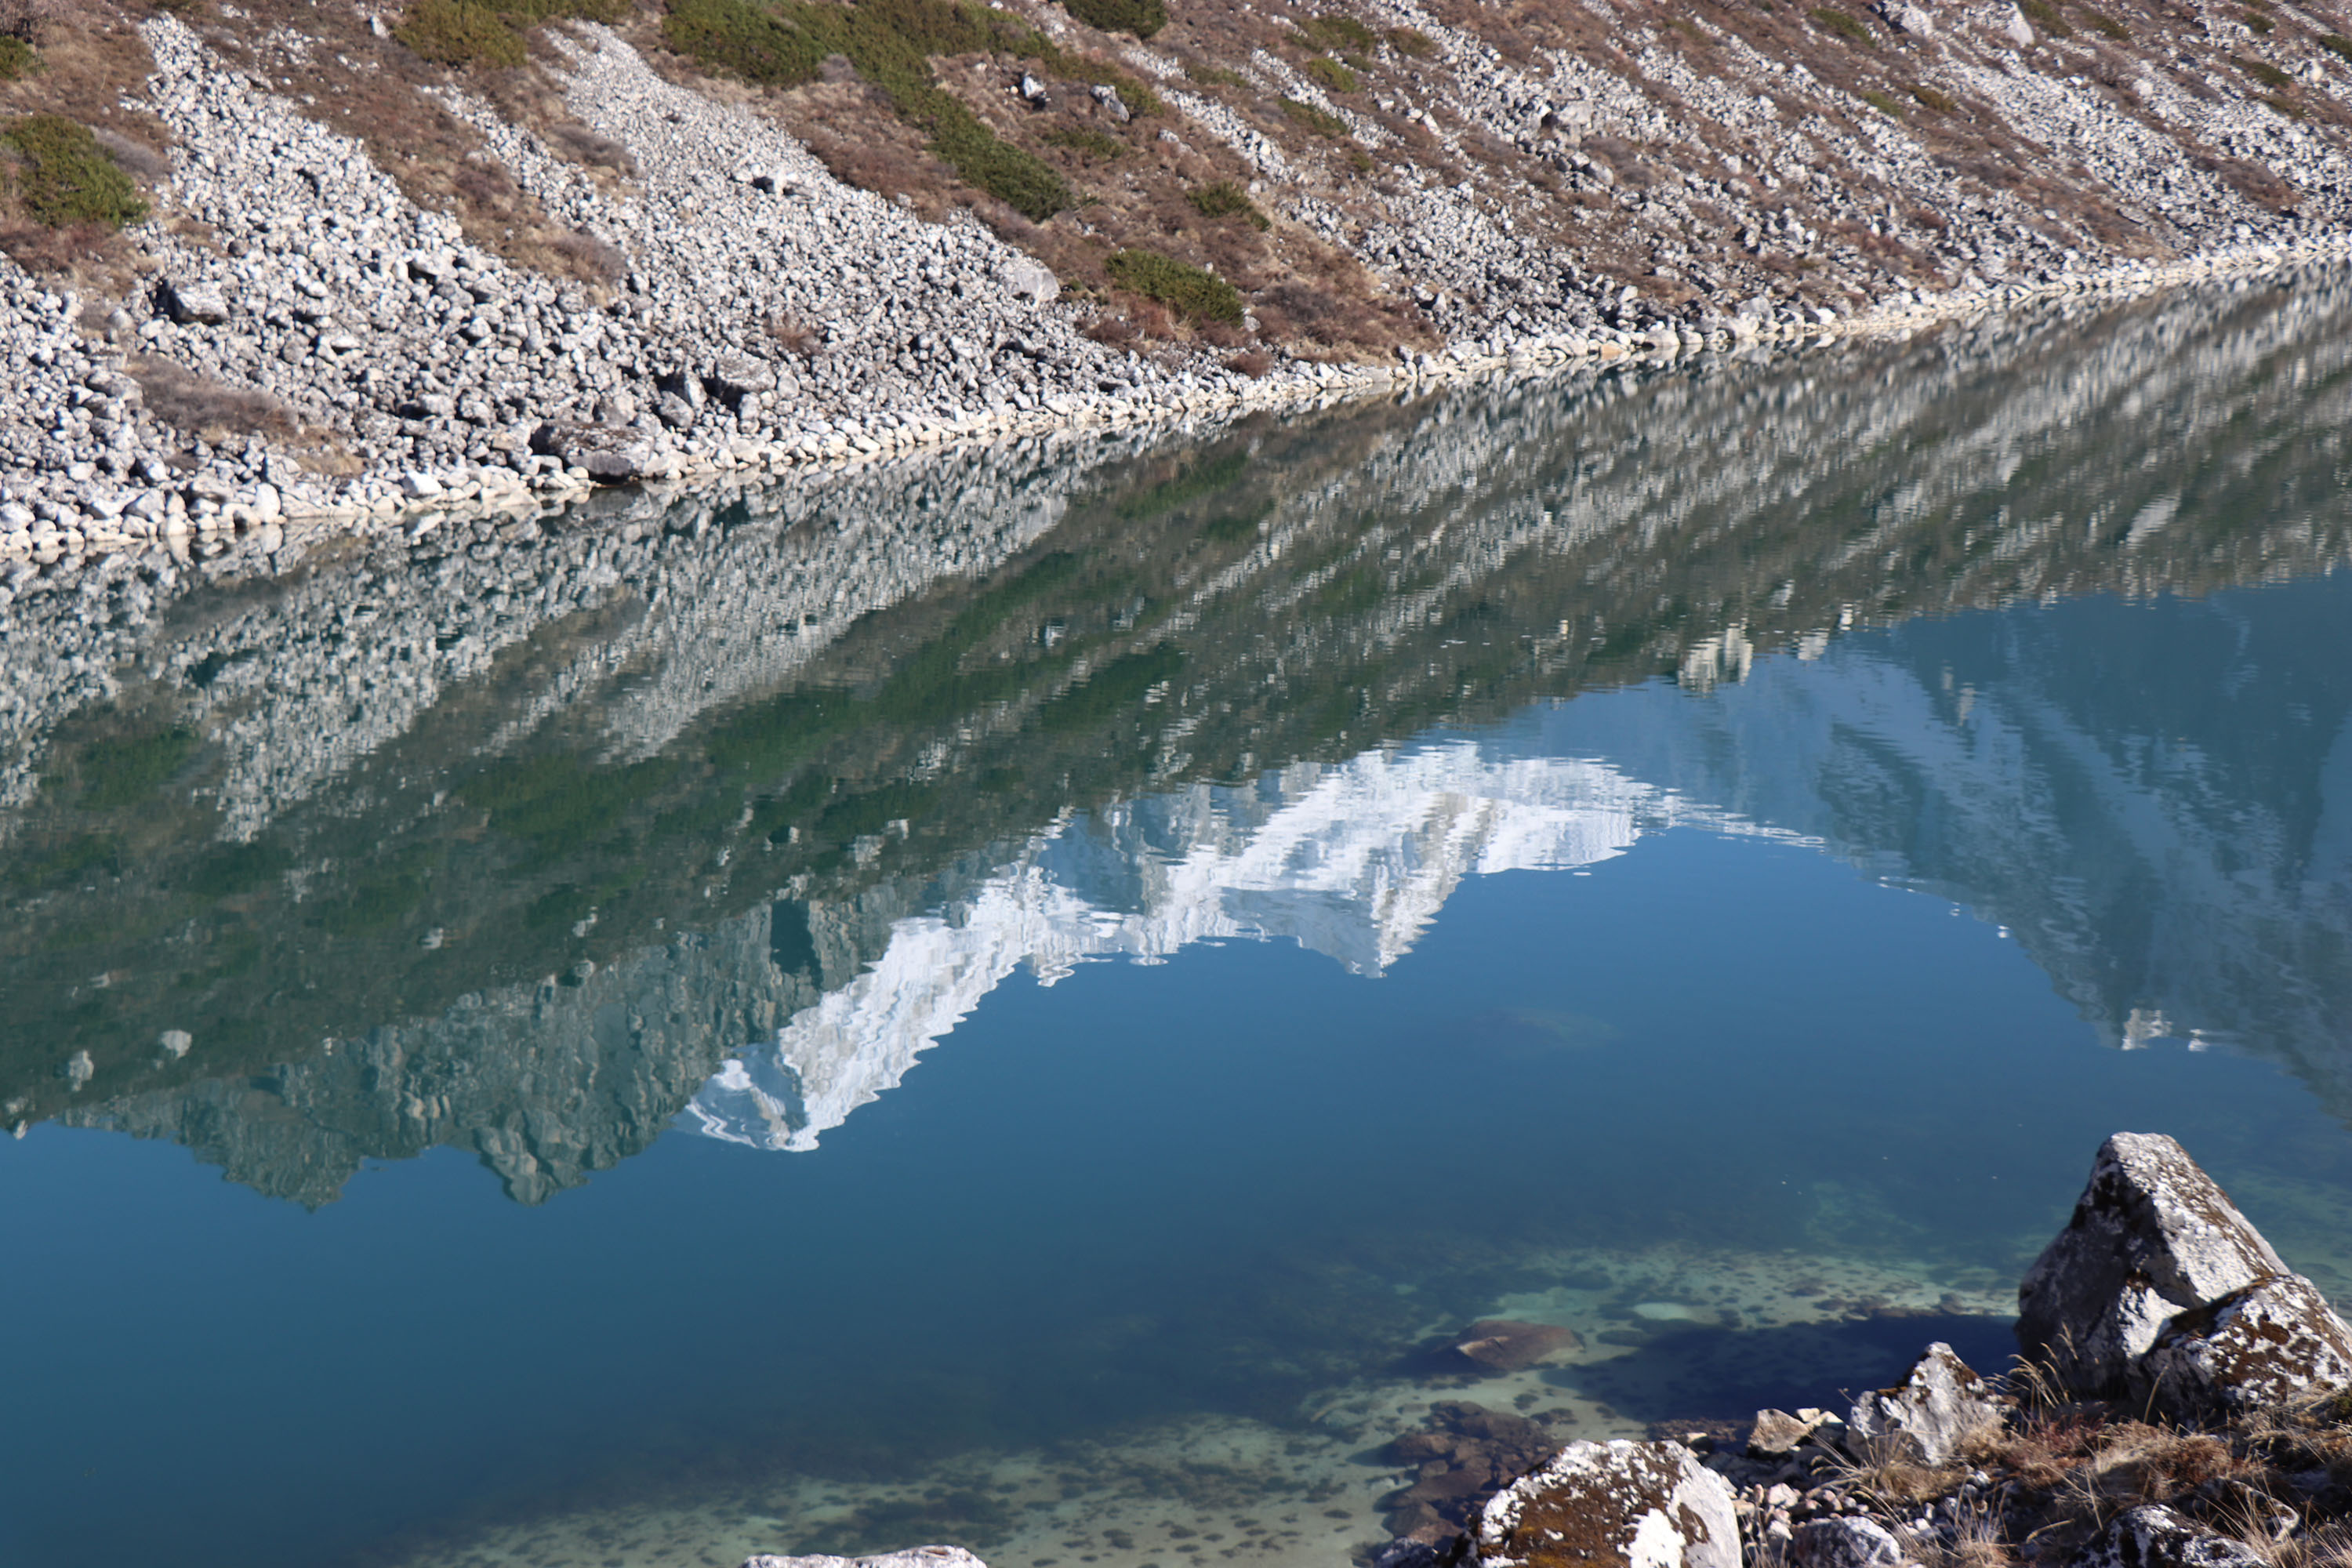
{"points": [[1412, 43], [2257, 21], [890, 43], [2046, 17], [1843, 23], [1884, 104], [2262, 71], [1091, 145], [1339, 33], [1333, 76], [1321, 121], [18, 60], [62, 175], [1141, 18], [1213, 76], [487, 32], [2108, 27], [2336, 44], [2285, 108], [1942, 103], [1227, 199], [1192, 292]]}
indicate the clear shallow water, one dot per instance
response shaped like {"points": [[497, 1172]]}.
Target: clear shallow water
{"points": [[1033, 1057]]}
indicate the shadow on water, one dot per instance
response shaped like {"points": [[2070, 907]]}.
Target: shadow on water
{"points": [[1728, 1375]]}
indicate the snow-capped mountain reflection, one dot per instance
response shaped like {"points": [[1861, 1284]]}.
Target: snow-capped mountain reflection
{"points": [[1352, 860]]}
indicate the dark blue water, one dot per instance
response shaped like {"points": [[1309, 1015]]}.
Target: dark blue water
{"points": [[1142, 1096]]}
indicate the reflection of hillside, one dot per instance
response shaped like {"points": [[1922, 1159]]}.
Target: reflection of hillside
{"points": [[435, 783]]}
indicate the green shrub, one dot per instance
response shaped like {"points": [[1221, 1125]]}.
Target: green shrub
{"points": [[2045, 16], [1321, 121], [2257, 21], [1092, 145], [66, 177], [1213, 76], [2108, 26], [1227, 199], [1333, 76], [743, 40], [1190, 291], [2284, 106], [1141, 18], [1884, 104], [2269, 74], [1942, 103], [18, 58], [1339, 33], [1837, 21], [890, 42], [2336, 44], [1138, 96], [487, 32], [1413, 42]]}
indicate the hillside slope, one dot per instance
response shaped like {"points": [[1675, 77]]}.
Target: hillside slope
{"points": [[271, 258]]}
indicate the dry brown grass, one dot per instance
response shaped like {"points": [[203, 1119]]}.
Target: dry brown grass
{"points": [[209, 410]]}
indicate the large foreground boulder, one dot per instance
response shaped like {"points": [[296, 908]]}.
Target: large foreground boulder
{"points": [[2255, 1347], [2152, 1236], [1931, 1415], [913, 1557], [1612, 1505], [2159, 1290]]}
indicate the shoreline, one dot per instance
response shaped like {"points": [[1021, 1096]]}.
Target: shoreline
{"points": [[50, 534]]}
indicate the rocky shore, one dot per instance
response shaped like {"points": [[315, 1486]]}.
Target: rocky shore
{"points": [[2180, 1401], [292, 339]]}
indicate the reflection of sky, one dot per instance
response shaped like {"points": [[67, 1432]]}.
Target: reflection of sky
{"points": [[2174, 850]]}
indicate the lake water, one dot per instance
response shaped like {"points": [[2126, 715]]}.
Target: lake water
{"points": [[1018, 998]]}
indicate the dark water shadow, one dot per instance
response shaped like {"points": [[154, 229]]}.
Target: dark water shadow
{"points": [[1728, 1375]]}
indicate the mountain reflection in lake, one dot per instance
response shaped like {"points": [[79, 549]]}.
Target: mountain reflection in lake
{"points": [[713, 818]]}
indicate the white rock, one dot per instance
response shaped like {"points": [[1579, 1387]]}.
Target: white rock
{"points": [[1620, 1504]]}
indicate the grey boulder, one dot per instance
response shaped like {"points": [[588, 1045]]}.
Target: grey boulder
{"points": [[1612, 1505], [1844, 1543], [1932, 1414], [2255, 1347], [1031, 281], [2152, 1236], [191, 301], [609, 456], [2156, 1537]]}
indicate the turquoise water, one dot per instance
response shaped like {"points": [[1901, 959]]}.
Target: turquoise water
{"points": [[1021, 1000]]}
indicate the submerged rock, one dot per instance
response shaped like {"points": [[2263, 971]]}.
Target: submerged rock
{"points": [[913, 1557], [1932, 1413], [1504, 1345], [1612, 1505], [1463, 1456], [2152, 1236]]}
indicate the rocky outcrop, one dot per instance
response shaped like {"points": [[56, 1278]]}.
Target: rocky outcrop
{"points": [[2154, 1536], [1612, 1505], [1933, 1413], [2155, 1239], [1844, 1543]]}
